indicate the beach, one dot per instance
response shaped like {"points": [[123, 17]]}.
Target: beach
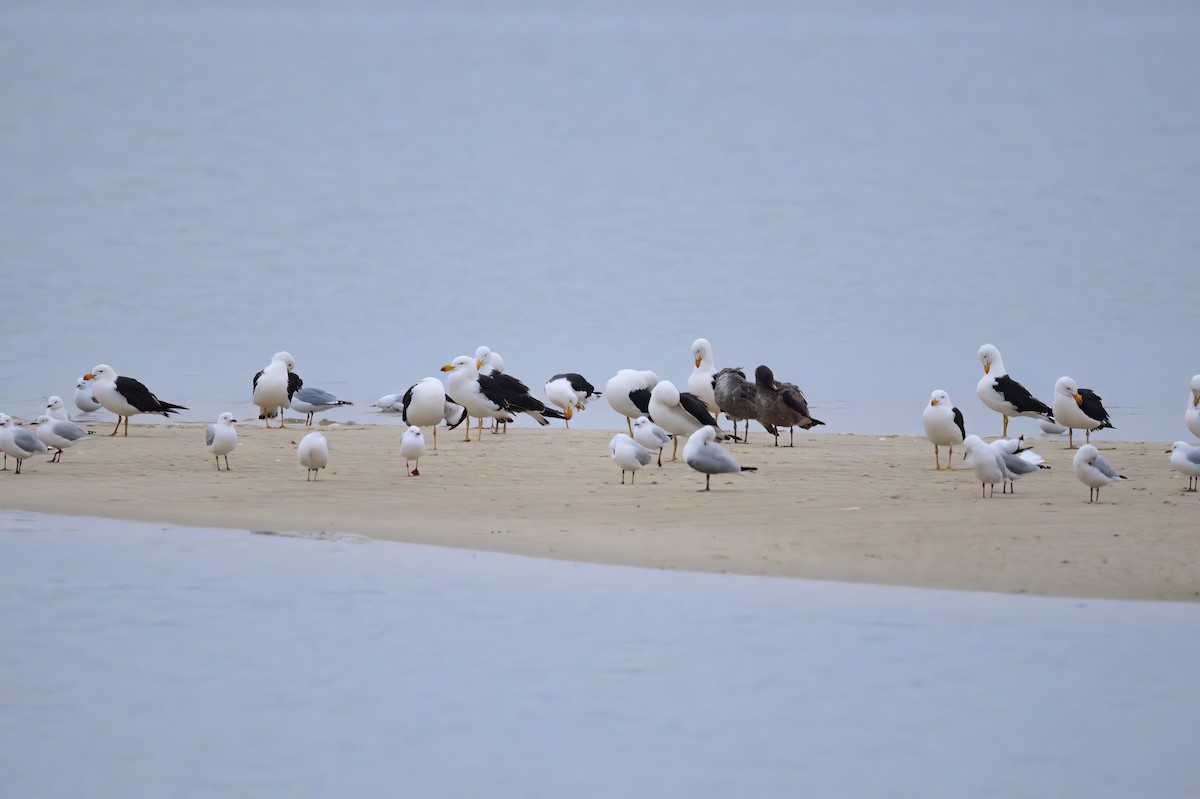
{"points": [[850, 508]]}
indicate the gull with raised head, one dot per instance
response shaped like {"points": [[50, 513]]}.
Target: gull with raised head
{"points": [[1186, 458], [18, 442], [61, 434], [125, 396], [700, 381], [220, 438], [650, 435], [412, 448], [943, 426], [1004, 395]]}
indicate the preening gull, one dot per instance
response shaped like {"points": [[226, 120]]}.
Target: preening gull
{"points": [[700, 381], [987, 462], [17, 441], [1078, 408], [1004, 395], [943, 426], [737, 398], [125, 396], [568, 391], [57, 409], [629, 455], [275, 385], [628, 393], [1018, 460], [310, 400], [489, 362], [85, 400], [412, 447], [678, 413], [1093, 471], [59, 434], [1192, 417], [314, 454], [1186, 458], [650, 435], [781, 404], [221, 438], [705, 455]]}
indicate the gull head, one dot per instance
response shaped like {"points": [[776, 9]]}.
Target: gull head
{"points": [[940, 397], [989, 356]]}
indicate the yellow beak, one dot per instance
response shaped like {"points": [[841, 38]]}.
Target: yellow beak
{"points": [[447, 368], [987, 367], [1078, 399], [698, 362], [933, 402], [1196, 402], [478, 364], [89, 376]]}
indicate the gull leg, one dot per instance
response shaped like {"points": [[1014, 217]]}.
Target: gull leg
{"points": [[1070, 438], [217, 458], [116, 429], [660, 449], [777, 437], [622, 477], [791, 436], [674, 449], [706, 479], [435, 438], [468, 426], [950, 461], [18, 471], [1005, 435], [936, 460], [126, 425], [629, 424], [1087, 435], [226, 463], [746, 438], [632, 477]]}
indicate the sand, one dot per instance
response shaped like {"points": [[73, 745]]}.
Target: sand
{"points": [[836, 507]]}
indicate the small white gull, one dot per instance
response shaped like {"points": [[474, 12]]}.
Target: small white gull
{"points": [[1093, 471], [85, 400], [311, 400], [629, 455], [60, 434], [705, 455], [412, 448], [313, 452], [17, 441], [987, 462], [220, 438], [650, 435], [1186, 458]]}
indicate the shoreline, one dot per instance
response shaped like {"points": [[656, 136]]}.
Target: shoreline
{"points": [[837, 507]]}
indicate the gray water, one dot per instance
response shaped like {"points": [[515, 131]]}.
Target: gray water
{"points": [[857, 194], [148, 660]]}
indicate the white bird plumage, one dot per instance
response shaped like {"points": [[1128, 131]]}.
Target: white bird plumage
{"points": [[650, 435], [1186, 458], [57, 409], [1004, 395], [1093, 471], [85, 400], [412, 448], [313, 452], [943, 425], [679, 414], [18, 442], [1191, 418], [627, 382], [272, 387], [61, 434], [700, 381], [987, 462], [629, 455], [705, 455], [220, 438]]}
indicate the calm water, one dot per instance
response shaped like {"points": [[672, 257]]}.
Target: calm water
{"points": [[142, 660], [856, 195]]}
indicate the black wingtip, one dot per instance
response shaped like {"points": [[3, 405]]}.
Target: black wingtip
{"points": [[749, 468]]}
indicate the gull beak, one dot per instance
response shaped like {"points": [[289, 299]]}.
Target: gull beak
{"points": [[987, 367], [698, 363], [447, 368], [1078, 399], [89, 376], [1195, 402], [933, 402], [478, 364]]}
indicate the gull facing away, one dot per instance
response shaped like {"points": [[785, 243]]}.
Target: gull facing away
{"points": [[220, 438], [311, 400], [313, 452], [988, 464], [1078, 408], [781, 404], [943, 426], [737, 398], [569, 390], [59, 434], [700, 381], [1192, 417], [18, 442], [1186, 458], [705, 455], [274, 386], [412, 447], [629, 455], [426, 404], [85, 400], [650, 436], [678, 413], [628, 393], [1018, 460], [125, 396], [1093, 471], [1004, 395]]}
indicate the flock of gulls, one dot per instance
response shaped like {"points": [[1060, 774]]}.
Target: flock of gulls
{"points": [[656, 411]]}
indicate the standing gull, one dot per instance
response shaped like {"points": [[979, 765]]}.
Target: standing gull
{"points": [[311, 400], [489, 363], [737, 398], [988, 464], [85, 400], [313, 452], [1078, 408], [1192, 417], [412, 447], [1093, 471], [629, 455], [426, 404], [650, 436], [274, 386], [781, 404], [700, 381], [1018, 460], [477, 393], [568, 391], [1186, 458], [221, 438], [705, 455], [57, 409], [17, 441], [1004, 395], [59, 434], [678, 413], [125, 396], [943, 426], [628, 393]]}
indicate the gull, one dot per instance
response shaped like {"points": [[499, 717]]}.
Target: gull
{"points": [[987, 462], [274, 386], [568, 391], [60, 434], [311, 400], [412, 447], [1186, 458], [628, 393], [705, 455], [700, 381], [1078, 408], [85, 400], [477, 393], [737, 398], [314, 454], [650, 435], [678, 413], [1004, 395], [489, 362], [125, 396], [1093, 471], [389, 403], [943, 426], [1018, 460], [17, 441], [629, 455], [221, 438], [57, 409], [781, 404], [426, 403], [1192, 417]]}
